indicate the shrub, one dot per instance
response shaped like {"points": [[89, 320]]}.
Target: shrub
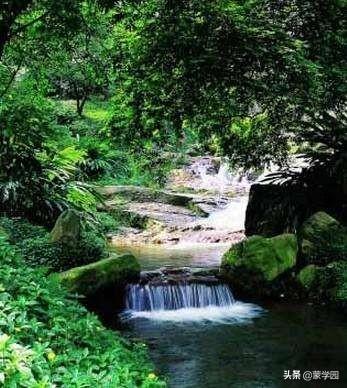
{"points": [[19, 229], [330, 282], [101, 158], [48, 340], [107, 223], [34, 244], [39, 251]]}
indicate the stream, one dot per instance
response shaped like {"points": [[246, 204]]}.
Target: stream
{"points": [[249, 351], [201, 336], [246, 345]]}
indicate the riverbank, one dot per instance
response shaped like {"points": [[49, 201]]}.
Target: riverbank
{"points": [[48, 339], [179, 234]]}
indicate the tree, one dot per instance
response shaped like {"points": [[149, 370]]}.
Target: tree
{"points": [[210, 65], [80, 65], [18, 15], [76, 62], [10, 10]]}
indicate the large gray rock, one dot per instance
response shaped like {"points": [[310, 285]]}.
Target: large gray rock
{"points": [[274, 209], [67, 228]]}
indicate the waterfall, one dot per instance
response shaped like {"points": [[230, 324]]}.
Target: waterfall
{"points": [[232, 217], [187, 302], [177, 296]]}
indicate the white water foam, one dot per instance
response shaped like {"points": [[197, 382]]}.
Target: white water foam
{"points": [[224, 180], [232, 217], [187, 302], [236, 313]]}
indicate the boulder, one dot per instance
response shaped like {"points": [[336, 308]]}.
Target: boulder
{"points": [[334, 280], [67, 228], [269, 257], [255, 265], [307, 276], [274, 209], [91, 278], [322, 239], [326, 284]]}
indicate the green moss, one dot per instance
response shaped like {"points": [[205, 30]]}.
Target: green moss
{"points": [[341, 289], [233, 254], [331, 282], [89, 278], [307, 276], [267, 256], [322, 239]]}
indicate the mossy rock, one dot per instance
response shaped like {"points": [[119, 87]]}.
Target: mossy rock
{"points": [[330, 284], [114, 271], [307, 276], [322, 239], [268, 257], [144, 194], [326, 284], [67, 228]]}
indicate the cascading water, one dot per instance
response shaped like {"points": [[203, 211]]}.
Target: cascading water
{"points": [[177, 296], [231, 217], [186, 302], [224, 179]]}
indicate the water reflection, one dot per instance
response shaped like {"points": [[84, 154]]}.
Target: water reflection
{"points": [[251, 353], [181, 255]]}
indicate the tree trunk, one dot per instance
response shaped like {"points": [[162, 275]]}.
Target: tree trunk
{"points": [[80, 104], [4, 35], [11, 10]]}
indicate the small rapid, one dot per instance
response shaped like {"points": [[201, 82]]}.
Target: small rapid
{"points": [[182, 302], [177, 296], [232, 217]]}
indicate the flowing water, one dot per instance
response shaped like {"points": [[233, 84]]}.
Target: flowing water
{"points": [[231, 217], [194, 255], [201, 336], [184, 302], [252, 350]]}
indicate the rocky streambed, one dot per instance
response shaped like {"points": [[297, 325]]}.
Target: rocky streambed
{"points": [[201, 203]]}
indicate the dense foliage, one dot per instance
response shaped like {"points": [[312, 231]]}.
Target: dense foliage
{"points": [[103, 92], [35, 246], [243, 74], [242, 78], [47, 339]]}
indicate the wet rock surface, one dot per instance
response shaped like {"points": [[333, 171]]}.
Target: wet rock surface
{"points": [[144, 194], [181, 212], [180, 275], [165, 214]]}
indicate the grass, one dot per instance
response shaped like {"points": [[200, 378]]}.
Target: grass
{"points": [[97, 111]]}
